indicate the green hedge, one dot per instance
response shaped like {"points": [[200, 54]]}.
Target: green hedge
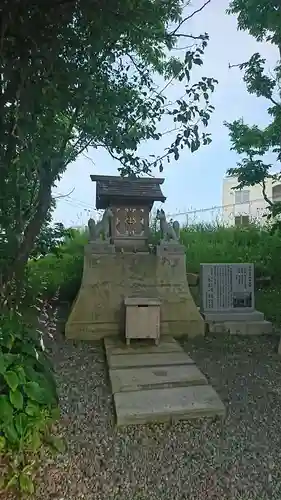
{"points": [[216, 243]]}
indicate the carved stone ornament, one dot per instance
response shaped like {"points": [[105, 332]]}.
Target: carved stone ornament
{"points": [[169, 231], [102, 229]]}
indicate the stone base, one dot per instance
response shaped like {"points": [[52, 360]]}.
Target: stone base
{"points": [[131, 244], [237, 323], [191, 328], [249, 327], [241, 327], [219, 317], [99, 247], [108, 278], [169, 247]]}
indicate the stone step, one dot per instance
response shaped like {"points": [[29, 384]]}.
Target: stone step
{"points": [[135, 379], [116, 346], [148, 359], [164, 405]]}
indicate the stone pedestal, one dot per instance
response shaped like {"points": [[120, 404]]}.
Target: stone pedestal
{"points": [[166, 248], [109, 277], [99, 247]]}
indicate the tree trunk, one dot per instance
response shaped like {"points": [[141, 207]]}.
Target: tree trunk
{"points": [[33, 228], [13, 281]]}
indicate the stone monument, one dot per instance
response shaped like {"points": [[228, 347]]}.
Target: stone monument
{"points": [[227, 294], [118, 264]]}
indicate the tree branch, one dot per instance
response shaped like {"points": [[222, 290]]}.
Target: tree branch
{"points": [[189, 17], [88, 143], [64, 195], [199, 37], [69, 130], [230, 66], [274, 102], [240, 66], [264, 193]]}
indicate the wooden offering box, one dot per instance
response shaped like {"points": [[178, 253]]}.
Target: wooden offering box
{"points": [[142, 319]]}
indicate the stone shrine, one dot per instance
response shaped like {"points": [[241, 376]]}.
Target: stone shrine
{"points": [[119, 264], [227, 294]]}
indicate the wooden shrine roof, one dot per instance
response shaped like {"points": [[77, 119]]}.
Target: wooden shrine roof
{"points": [[140, 190]]}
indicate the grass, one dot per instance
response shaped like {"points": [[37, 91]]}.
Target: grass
{"points": [[268, 301]]}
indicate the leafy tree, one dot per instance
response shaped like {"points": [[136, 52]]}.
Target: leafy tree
{"points": [[80, 73], [262, 19], [50, 240]]}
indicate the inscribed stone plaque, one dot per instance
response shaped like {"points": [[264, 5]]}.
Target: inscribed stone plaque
{"points": [[227, 287]]}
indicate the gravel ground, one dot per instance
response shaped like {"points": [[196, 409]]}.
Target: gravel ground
{"points": [[205, 459]]}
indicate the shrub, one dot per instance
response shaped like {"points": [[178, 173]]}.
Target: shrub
{"points": [[60, 275], [218, 243], [28, 401]]}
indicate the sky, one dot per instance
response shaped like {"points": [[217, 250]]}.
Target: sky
{"points": [[194, 182]]}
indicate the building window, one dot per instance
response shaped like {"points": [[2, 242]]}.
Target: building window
{"points": [[242, 196], [242, 220]]}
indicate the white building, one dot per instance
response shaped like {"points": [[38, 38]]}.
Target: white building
{"points": [[242, 206]]}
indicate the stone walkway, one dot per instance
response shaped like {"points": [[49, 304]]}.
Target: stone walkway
{"points": [[158, 383]]}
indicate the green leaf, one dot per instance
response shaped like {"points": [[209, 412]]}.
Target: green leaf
{"points": [[36, 441], [35, 392], [21, 421], [6, 410], [26, 483], [10, 358], [11, 379], [2, 364], [21, 374], [11, 433], [29, 349], [2, 443], [12, 482], [16, 399], [32, 409], [10, 341]]}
